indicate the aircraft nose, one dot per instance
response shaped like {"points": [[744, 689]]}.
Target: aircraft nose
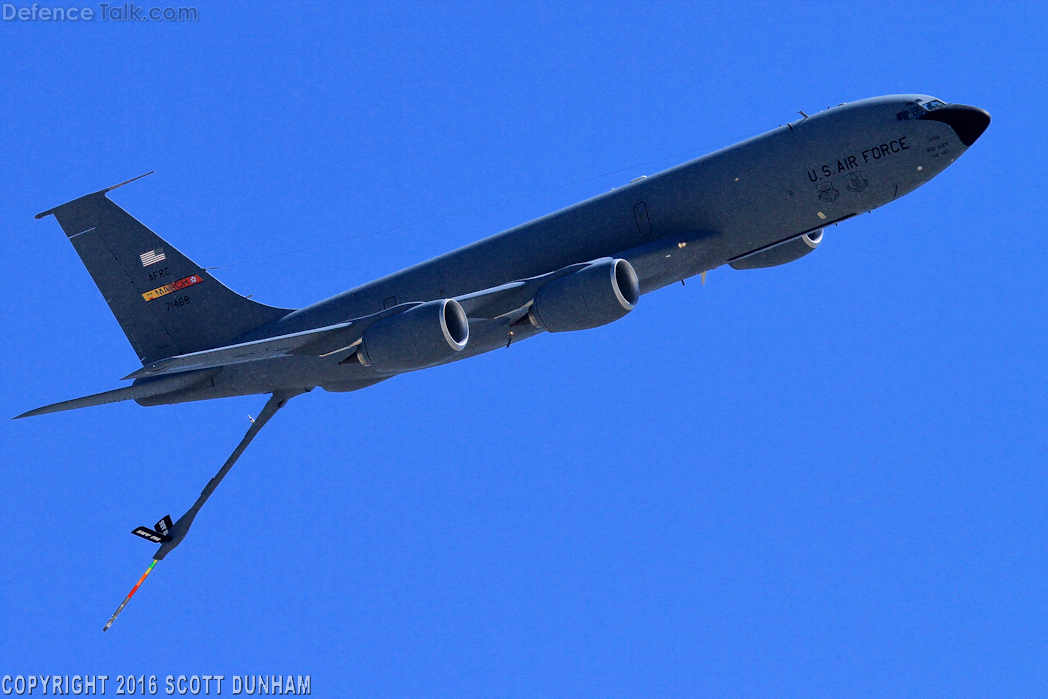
{"points": [[968, 122]]}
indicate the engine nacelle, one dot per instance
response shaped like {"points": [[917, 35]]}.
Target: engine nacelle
{"points": [[781, 254], [427, 334], [595, 295]]}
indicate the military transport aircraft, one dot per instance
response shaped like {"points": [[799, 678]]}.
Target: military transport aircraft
{"points": [[759, 203]]}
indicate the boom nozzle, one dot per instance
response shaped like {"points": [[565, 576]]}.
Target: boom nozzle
{"points": [[129, 594]]}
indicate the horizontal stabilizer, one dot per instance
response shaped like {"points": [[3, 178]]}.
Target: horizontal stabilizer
{"points": [[144, 389]]}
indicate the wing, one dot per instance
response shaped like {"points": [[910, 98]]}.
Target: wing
{"points": [[185, 370], [236, 354], [322, 342], [506, 298], [318, 342]]}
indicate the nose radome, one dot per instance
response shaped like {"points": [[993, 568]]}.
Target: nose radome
{"points": [[968, 122]]}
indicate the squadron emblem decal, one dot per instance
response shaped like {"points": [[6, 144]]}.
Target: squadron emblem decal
{"points": [[827, 192], [173, 286], [856, 182]]}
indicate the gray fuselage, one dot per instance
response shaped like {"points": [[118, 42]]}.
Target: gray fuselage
{"points": [[678, 223]]}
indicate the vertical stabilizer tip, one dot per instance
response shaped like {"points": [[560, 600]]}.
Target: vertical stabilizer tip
{"points": [[110, 189], [107, 189]]}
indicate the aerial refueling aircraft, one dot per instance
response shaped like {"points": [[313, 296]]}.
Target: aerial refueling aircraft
{"points": [[760, 203]]}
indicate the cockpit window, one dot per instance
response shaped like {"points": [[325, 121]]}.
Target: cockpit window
{"points": [[913, 112], [918, 110]]}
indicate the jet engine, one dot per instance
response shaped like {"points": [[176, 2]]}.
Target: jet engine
{"points": [[595, 295], [780, 254], [427, 334]]}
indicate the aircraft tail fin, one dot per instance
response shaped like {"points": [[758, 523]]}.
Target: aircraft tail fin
{"points": [[165, 303]]}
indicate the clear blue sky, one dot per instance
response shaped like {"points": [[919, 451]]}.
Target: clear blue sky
{"points": [[826, 479]]}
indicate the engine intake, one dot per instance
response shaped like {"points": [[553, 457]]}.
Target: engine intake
{"points": [[597, 294], [427, 334]]}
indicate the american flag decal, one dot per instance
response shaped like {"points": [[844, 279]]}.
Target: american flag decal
{"points": [[152, 257]]}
